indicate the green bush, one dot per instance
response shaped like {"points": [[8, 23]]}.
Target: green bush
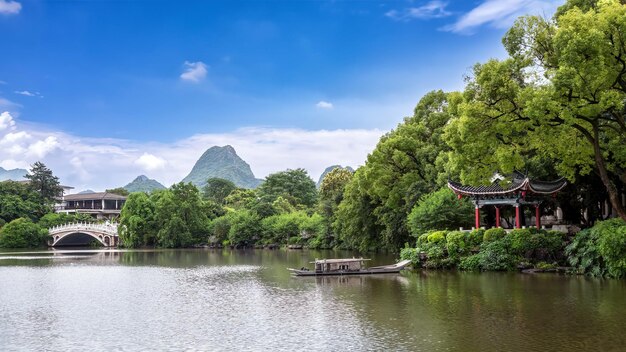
{"points": [[440, 210], [412, 254], [522, 241], [582, 253], [495, 256], [456, 245], [435, 255], [475, 237], [422, 240], [22, 233], [471, 263], [438, 237], [494, 234], [611, 240]]}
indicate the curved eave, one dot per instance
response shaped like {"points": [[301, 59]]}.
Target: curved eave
{"points": [[557, 186], [458, 189]]}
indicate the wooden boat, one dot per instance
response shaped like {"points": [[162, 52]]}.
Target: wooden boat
{"points": [[348, 266]]}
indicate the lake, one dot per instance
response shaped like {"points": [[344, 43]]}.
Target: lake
{"points": [[230, 300]]}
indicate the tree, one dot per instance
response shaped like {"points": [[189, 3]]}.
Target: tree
{"points": [[331, 194], [120, 191], [137, 222], [22, 233], [440, 210], [42, 181], [293, 185], [217, 189], [19, 201], [407, 163], [561, 94]]}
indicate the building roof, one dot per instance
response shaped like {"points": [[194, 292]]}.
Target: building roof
{"points": [[93, 196], [520, 182]]}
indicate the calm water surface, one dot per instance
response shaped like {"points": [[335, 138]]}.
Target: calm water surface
{"points": [[223, 300]]}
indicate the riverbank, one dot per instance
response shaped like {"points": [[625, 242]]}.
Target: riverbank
{"points": [[597, 251]]}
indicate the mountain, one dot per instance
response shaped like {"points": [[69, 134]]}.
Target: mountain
{"points": [[87, 191], [222, 162], [14, 174], [143, 184], [329, 169]]}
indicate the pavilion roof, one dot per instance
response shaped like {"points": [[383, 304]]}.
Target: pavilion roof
{"points": [[520, 182]]}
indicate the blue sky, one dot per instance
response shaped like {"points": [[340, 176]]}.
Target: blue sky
{"points": [[126, 86]]}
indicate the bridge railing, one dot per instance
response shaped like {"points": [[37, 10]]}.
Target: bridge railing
{"points": [[110, 228]]}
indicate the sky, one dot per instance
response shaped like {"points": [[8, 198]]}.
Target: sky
{"points": [[103, 91]]}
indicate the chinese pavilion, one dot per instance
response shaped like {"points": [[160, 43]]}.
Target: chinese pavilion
{"points": [[521, 191]]}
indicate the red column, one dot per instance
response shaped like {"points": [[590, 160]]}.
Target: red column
{"points": [[497, 216], [518, 224], [477, 217], [537, 216]]}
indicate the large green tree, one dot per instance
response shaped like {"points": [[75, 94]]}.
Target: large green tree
{"points": [[22, 233], [561, 95], [42, 181], [217, 189], [294, 185], [19, 201], [407, 163]]}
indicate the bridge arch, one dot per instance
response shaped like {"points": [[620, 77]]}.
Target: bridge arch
{"points": [[83, 233]]}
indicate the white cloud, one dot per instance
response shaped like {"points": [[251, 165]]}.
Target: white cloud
{"points": [[432, 9], [100, 163], [14, 164], [324, 105], [6, 103], [150, 162], [41, 148], [501, 13], [194, 71], [28, 93], [6, 121], [10, 7]]}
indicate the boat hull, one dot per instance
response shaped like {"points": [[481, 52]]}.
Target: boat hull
{"points": [[298, 272]]}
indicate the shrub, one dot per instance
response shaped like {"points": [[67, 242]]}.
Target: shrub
{"points": [[22, 233], [412, 254], [582, 253], [494, 234], [438, 237], [440, 210], [521, 241], [435, 255], [471, 263], [475, 237], [495, 256], [611, 241], [422, 240], [456, 245]]}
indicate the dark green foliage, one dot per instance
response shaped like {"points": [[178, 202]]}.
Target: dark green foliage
{"points": [[471, 263], [440, 210], [245, 228], [217, 189], [496, 256], [22, 233], [55, 219], [294, 185], [611, 235], [222, 162], [494, 234], [582, 253], [17, 200], [219, 228]]}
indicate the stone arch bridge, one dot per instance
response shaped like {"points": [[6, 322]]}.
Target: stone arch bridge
{"points": [[69, 234]]}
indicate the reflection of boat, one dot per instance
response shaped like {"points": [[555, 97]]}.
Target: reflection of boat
{"points": [[350, 266]]}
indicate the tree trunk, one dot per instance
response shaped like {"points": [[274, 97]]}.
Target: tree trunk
{"points": [[614, 196]]}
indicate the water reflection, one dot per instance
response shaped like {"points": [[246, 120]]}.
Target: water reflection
{"points": [[248, 301]]}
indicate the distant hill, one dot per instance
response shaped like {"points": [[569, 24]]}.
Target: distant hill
{"points": [[143, 184], [329, 169], [222, 162], [14, 174], [87, 191]]}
